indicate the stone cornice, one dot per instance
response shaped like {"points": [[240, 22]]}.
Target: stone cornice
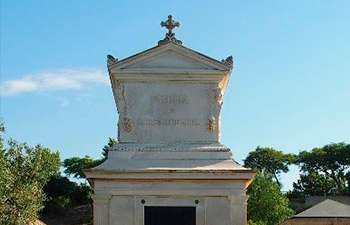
{"points": [[171, 174], [160, 148], [223, 66], [104, 199], [159, 75]]}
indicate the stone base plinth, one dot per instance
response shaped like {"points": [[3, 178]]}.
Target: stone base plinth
{"points": [[122, 202], [209, 181]]}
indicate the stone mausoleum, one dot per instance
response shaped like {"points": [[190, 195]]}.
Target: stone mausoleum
{"points": [[169, 167]]}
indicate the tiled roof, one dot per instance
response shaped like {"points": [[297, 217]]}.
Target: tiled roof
{"points": [[326, 209]]}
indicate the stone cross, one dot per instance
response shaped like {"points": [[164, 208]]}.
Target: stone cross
{"points": [[170, 24]]}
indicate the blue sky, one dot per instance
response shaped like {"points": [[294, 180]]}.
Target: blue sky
{"points": [[290, 88]]}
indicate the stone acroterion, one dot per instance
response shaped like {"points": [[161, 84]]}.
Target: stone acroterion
{"points": [[170, 24]]}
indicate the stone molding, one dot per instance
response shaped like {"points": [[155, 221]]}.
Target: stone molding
{"points": [[122, 64], [174, 174], [176, 76], [239, 199], [164, 155], [101, 199], [172, 148]]}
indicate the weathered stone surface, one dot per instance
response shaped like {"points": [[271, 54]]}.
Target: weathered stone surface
{"points": [[168, 113], [169, 153], [169, 94]]}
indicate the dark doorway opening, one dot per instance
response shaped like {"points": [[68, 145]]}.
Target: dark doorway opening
{"points": [[159, 215]]}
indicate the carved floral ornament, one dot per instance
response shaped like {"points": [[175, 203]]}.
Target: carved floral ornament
{"points": [[211, 125], [111, 60], [228, 61], [128, 125]]}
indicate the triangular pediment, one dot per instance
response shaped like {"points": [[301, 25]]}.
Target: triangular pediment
{"points": [[169, 57], [169, 60]]}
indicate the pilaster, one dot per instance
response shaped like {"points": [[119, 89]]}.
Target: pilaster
{"points": [[101, 209], [239, 209]]}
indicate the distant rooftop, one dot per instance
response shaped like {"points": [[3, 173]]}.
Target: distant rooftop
{"points": [[326, 209]]}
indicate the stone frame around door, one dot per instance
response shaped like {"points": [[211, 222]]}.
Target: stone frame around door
{"points": [[142, 201]]}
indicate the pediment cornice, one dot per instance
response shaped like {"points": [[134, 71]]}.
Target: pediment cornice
{"points": [[188, 55]]}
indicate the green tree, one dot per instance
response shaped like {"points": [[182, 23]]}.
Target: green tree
{"points": [[63, 194], [313, 184], [2, 130], [23, 173], [267, 205], [269, 160], [332, 160], [251, 222], [75, 166], [106, 148]]}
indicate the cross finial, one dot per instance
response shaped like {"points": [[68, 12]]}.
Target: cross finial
{"points": [[170, 24]]}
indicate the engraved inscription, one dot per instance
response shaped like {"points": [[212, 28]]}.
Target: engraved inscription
{"points": [[169, 99], [169, 103], [169, 111]]}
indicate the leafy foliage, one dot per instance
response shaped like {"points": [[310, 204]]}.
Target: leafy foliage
{"points": [[63, 194], [23, 173], [111, 143], [75, 166], [332, 161], [269, 160], [314, 184], [266, 204], [2, 130], [251, 222]]}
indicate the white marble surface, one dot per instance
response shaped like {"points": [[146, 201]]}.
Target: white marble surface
{"points": [[219, 202], [169, 154], [169, 94], [168, 113]]}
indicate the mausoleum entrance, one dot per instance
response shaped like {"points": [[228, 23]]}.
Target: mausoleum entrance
{"points": [[160, 215]]}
